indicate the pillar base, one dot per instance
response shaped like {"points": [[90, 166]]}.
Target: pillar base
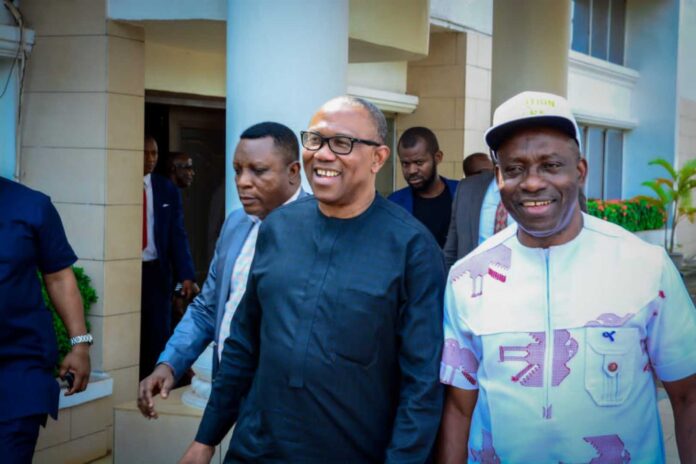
{"points": [[141, 441]]}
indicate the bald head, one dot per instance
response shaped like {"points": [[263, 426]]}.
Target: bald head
{"points": [[377, 119]]}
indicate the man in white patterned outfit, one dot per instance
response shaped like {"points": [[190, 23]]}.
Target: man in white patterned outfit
{"points": [[555, 326]]}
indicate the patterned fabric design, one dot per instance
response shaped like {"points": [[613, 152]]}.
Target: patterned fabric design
{"points": [[240, 274], [495, 262], [487, 454], [610, 450], [456, 359]]}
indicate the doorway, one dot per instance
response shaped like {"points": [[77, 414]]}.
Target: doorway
{"points": [[194, 125]]}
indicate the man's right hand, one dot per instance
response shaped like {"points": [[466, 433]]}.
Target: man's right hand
{"points": [[160, 381], [198, 453]]}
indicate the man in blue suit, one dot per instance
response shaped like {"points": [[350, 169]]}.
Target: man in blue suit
{"points": [[267, 175], [165, 250], [428, 196]]}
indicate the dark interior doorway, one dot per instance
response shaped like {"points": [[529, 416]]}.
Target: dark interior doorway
{"points": [[196, 126]]}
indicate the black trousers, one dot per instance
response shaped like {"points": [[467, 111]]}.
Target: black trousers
{"points": [[155, 315], [18, 438]]}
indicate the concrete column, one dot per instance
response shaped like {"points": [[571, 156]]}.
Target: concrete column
{"points": [[8, 118], [530, 47], [284, 59]]}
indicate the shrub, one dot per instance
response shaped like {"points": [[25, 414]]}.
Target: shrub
{"points": [[635, 214], [89, 297]]}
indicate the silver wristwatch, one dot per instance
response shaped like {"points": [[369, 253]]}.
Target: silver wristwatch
{"points": [[86, 338]]}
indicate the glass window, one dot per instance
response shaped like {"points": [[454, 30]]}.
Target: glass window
{"points": [[604, 153], [598, 28]]}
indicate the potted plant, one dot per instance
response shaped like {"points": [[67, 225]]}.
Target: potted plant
{"points": [[638, 215], [674, 195]]}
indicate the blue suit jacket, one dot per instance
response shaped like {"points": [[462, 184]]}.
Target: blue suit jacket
{"points": [[171, 241], [404, 197], [201, 323]]}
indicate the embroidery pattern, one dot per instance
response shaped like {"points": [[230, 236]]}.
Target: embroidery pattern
{"points": [[494, 262], [487, 454], [456, 359], [610, 449]]}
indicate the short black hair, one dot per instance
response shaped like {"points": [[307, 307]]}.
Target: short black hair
{"points": [[466, 164], [376, 116], [284, 138], [411, 136]]}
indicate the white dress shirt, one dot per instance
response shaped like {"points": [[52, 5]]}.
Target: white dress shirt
{"points": [[150, 251]]}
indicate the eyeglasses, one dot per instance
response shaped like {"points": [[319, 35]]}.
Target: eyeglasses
{"points": [[188, 167], [339, 144]]}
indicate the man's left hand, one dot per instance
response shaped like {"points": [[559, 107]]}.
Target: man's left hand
{"points": [[189, 289], [77, 362]]}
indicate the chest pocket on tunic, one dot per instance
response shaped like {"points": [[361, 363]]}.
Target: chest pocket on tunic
{"points": [[356, 326], [611, 359]]}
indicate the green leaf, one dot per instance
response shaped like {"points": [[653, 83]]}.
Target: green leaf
{"points": [[665, 164]]}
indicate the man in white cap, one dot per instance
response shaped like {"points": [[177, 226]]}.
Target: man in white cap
{"points": [[555, 326]]}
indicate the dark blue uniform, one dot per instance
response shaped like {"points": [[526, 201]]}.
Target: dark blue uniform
{"points": [[31, 239], [334, 351]]}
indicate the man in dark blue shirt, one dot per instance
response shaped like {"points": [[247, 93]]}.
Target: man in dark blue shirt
{"points": [[333, 351], [33, 241]]}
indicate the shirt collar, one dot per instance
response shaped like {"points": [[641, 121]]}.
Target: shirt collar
{"points": [[292, 198], [147, 180]]}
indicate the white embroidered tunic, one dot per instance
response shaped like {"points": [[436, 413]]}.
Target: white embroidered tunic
{"points": [[561, 344]]}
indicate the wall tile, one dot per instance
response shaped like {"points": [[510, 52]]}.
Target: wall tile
{"points": [[124, 177], [74, 64], [123, 232], [118, 340], [46, 169], [55, 432], [125, 121], [473, 142], [91, 417], [125, 384], [84, 226], [65, 120], [436, 81], [485, 51], [478, 83], [126, 66], [452, 144], [83, 449], [61, 17], [95, 271], [122, 286], [442, 50], [477, 114], [125, 30], [435, 113]]}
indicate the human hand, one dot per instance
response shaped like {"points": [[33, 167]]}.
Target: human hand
{"points": [[197, 453], [77, 362], [189, 289], [159, 382]]}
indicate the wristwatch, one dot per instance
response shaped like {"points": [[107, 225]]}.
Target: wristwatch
{"points": [[86, 338]]}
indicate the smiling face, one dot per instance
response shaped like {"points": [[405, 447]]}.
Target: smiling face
{"points": [[419, 166], [344, 185], [263, 177], [539, 174]]}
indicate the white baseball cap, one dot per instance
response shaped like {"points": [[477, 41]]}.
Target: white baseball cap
{"points": [[531, 109]]}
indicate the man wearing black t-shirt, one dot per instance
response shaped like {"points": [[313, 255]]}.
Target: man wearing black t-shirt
{"points": [[428, 196]]}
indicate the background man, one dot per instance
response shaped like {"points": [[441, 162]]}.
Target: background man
{"points": [[428, 196], [33, 240], [559, 322], [333, 352], [477, 163], [267, 174], [165, 248], [180, 168]]}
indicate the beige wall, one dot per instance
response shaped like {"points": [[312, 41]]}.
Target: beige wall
{"points": [[82, 144], [453, 86], [686, 147], [184, 70], [388, 30], [530, 47]]}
